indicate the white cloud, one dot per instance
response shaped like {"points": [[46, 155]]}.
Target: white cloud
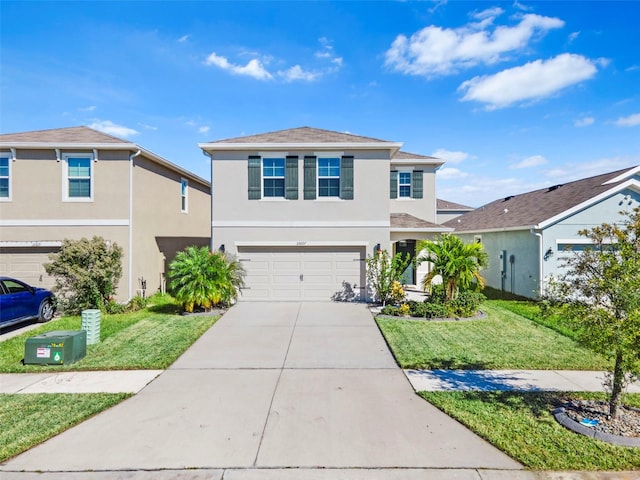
{"points": [[632, 68], [203, 129], [576, 171], [584, 122], [107, 126], [148, 127], [532, 81], [435, 51], [573, 36], [448, 173], [297, 73], [630, 121], [449, 156], [184, 38], [533, 161], [90, 108], [253, 69]]}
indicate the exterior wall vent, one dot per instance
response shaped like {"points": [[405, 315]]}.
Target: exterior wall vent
{"points": [[555, 187]]}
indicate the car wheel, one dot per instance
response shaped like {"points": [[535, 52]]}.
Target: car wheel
{"points": [[46, 311]]}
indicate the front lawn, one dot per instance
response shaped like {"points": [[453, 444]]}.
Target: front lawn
{"points": [[152, 339], [502, 340], [521, 425], [29, 419]]}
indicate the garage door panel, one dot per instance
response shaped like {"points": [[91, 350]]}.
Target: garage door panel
{"points": [[27, 264], [301, 273]]}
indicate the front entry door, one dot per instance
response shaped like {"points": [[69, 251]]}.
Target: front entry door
{"points": [[404, 247]]}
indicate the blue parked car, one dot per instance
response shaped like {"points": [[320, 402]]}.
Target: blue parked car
{"points": [[20, 302]]}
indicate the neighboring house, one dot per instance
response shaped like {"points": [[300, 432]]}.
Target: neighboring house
{"points": [[526, 235], [446, 210], [304, 207], [76, 182]]}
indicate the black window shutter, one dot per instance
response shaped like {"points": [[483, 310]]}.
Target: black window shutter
{"points": [[255, 192], [346, 178], [394, 184], [309, 178], [291, 178], [416, 184]]}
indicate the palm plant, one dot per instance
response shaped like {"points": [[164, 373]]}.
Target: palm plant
{"points": [[458, 264], [201, 279]]}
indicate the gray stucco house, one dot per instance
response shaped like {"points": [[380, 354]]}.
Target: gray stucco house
{"points": [[303, 208], [526, 235]]}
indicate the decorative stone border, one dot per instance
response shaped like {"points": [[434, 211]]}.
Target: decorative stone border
{"points": [[563, 419]]}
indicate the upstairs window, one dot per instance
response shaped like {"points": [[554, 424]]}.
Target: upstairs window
{"points": [[184, 195], [329, 177], [404, 184], [78, 177], [273, 177], [5, 176]]}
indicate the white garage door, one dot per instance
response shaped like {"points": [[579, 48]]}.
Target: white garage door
{"points": [[27, 264], [303, 273]]}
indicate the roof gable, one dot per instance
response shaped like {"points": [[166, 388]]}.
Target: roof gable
{"points": [[447, 205], [301, 135], [537, 208], [69, 135]]}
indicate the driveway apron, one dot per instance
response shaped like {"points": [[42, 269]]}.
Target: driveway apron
{"points": [[273, 385]]}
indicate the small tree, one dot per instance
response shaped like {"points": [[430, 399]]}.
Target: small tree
{"points": [[86, 273], [458, 264], [201, 279], [382, 271], [599, 296]]}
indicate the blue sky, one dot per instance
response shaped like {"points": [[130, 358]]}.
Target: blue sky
{"points": [[514, 96]]}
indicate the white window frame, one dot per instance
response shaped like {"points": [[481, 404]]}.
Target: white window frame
{"points": [[184, 195], [9, 156], [65, 176], [318, 176], [400, 184], [262, 177]]}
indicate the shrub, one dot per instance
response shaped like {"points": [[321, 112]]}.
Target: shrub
{"points": [[86, 273], [382, 271], [430, 310], [397, 292], [466, 304], [201, 279], [390, 310], [404, 310], [137, 303]]}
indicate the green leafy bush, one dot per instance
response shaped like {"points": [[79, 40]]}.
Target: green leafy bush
{"points": [[86, 273], [201, 279], [429, 310], [466, 304], [390, 310]]}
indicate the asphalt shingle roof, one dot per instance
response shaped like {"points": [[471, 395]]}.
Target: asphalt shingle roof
{"points": [[447, 205], [404, 220], [533, 208], [301, 135], [61, 135]]}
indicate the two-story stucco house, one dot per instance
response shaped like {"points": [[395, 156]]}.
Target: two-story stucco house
{"points": [[76, 182], [527, 235], [303, 208]]}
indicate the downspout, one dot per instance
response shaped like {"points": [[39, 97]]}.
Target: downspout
{"points": [[540, 260], [130, 269], [207, 154]]}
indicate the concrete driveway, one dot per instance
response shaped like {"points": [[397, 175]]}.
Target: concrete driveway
{"points": [[289, 385]]}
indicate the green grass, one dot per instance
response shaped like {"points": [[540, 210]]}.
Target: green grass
{"points": [[152, 338], [502, 340], [29, 419], [521, 425]]}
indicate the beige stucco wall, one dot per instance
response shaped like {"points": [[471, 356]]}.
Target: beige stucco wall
{"points": [[425, 207], [38, 213], [159, 227]]}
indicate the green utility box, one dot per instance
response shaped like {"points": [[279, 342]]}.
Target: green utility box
{"points": [[56, 348]]}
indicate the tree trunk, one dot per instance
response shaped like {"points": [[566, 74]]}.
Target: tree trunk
{"points": [[616, 386]]}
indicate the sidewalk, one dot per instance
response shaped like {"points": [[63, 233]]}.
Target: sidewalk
{"points": [[133, 381]]}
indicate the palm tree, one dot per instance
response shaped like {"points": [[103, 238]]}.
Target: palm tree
{"points": [[201, 279], [457, 263]]}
